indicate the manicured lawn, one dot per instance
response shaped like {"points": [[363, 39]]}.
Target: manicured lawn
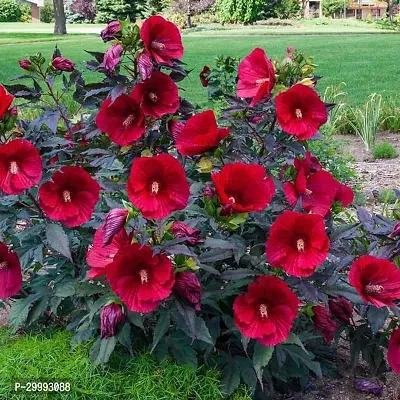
{"points": [[366, 63]]}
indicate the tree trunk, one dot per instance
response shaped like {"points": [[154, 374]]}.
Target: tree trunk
{"points": [[189, 15], [60, 27]]}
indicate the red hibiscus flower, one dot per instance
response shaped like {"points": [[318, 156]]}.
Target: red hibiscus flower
{"points": [[344, 195], [70, 197], [324, 322], [145, 66], [256, 76], [255, 195], [111, 318], [157, 186], [200, 134], [122, 120], [317, 191], [140, 278], [310, 164], [5, 101], [63, 64], [175, 128], [393, 356], [10, 273], [162, 40], [159, 95], [100, 255], [300, 112], [188, 288], [112, 58], [297, 243], [205, 72], [267, 311], [20, 166], [377, 280]]}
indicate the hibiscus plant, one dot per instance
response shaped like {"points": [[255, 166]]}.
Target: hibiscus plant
{"points": [[138, 221]]}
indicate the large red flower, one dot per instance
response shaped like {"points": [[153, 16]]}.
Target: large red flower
{"points": [[162, 40], [297, 243], [157, 186], [244, 187], [267, 311], [393, 355], [317, 191], [122, 120], [5, 101], [377, 280], [300, 111], [70, 197], [99, 256], [140, 278], [256, 76], [344, 194], [20, 166], [159, 95], [200, 134], [10, 273]]}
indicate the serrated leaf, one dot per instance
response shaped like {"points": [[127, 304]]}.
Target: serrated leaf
{"points": [[125, 338], [230, 377], [102, 350], [66, 289], [37, 309], [58, 240], [20, 310], [261, 357], [377, 317], [161, 328], [294, 339]]}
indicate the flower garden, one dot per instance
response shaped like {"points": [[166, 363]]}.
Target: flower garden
{"points": [[218, 238]]}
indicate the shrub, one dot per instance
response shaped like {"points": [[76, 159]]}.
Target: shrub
{"points": [[85, 8], [26, 13], [332, 7], [287, 9], [47, 12], [238, 11], [10, 11], [219, 242], [384, 150], [110, 10], [387, 196]]}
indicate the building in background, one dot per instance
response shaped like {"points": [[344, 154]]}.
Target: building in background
{"points": [[35, 7]]}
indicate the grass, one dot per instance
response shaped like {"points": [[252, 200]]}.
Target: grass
{"points": [[367, 63], [384, 150], [38, 358]]}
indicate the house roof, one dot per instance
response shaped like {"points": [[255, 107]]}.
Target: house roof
{"points": [[39, 3]]}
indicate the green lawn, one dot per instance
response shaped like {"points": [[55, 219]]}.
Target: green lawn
{"points": [[366, 63]]}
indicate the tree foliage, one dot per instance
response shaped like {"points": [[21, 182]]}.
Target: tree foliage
{"points": [[10, 11], [332, 7], [238, 11], [110, 10]]}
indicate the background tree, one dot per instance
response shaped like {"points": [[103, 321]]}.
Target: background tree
{"points": [[60, 27], [191, 7], [110, 10], [332, 7], [85, 8], [238, 11]]}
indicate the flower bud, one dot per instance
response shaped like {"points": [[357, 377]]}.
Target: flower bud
{"points": [[63, 64], [341, 308], [209, 191], [188, 288], [145, 66], [204, 76], [290, 49], [324, 323], [396, 231], [112, 58], [181, 230], [111, 316], [226, 210], [111, 31], [13, 111], [175, 127], [25, 64], [114, 222]]}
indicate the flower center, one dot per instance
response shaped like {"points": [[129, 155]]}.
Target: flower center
{"points": [[153, 97], [144, 276], [157, 45], [374, 289], [299, 114], [301, 247], [260, 82], [14, 169], [3, 265], [232, 200], [66, 196], [155, 187], [263, 309], [307, 192], [129, 120]]}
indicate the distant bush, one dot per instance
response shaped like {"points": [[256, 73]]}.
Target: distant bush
{"points": [[384, 150], [238, 11], [85, 9], [9, 11], [287, 9], [26, 13], [331, 7], [110, 10], [47, 12]]}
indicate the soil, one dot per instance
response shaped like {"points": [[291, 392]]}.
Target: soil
{"points": [[373, 175]]}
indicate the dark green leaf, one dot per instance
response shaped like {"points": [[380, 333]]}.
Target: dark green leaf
{"points": [[161, 328], [102, 350], [261, 357], [58, 240]]}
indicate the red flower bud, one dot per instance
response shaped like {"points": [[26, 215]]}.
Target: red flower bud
{"points": [[111, 31], [111, 316], [290, 49], [209, 191], [145, 66], [25, 64], [396, 231], [114, 222], [175, 127], [13, 111], [112, 58], [63, 64], [204, 76], [341, 308], [226, 210], [324, 323], [188, 288], [180, 230]]}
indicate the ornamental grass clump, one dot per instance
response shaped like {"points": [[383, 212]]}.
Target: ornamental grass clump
{"points": [[141, 223]]}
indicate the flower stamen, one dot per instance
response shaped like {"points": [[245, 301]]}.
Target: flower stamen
{"points": [[157, 45], [299, 114], [153, 97], [14, 169], [67, 196], [300, 245], [374, 289], [260, 82], [129, 120], [232, 200], [144, 276], [3, 265], [155, 187], [307, 192], [263, 311]]}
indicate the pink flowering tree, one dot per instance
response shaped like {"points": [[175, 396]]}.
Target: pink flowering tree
{"points": [[135, 220]]}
